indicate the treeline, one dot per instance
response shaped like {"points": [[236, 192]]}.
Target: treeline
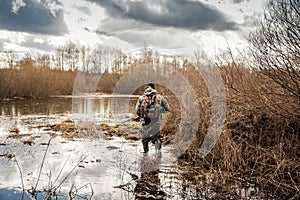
{"points": [[101, 59], [71, 57]]}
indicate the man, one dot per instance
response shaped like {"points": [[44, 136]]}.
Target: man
{"points": [[150, 107]]}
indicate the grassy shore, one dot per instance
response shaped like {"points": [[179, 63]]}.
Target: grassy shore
{"points": [[28, 80]]}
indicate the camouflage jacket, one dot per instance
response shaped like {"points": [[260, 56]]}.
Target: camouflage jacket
{"points": [[151, 108]]}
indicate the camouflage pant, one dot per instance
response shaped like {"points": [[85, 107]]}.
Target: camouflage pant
{"points": [[151, 132]]}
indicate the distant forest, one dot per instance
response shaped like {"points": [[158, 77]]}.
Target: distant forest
{"points": [[81, 58]]}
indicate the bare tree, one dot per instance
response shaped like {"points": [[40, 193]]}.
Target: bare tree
{"points": [[118, 60], [44, 60], [97, 60], [85, 58], [72, 55], [276, 45], [10, 58], [60, 58]]}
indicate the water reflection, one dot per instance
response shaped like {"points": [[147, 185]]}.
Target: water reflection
{"points": [[13, 194], [95, 107], [102, 108], [148, 186], [44, 106], [90, 108]]}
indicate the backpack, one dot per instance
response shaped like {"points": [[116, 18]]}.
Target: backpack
{"points": [[151, 106]]}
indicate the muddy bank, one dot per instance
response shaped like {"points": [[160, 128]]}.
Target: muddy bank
{"points": [[72, 130]]}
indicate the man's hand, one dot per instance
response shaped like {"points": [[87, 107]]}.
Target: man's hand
{"points": [[136, 119]]}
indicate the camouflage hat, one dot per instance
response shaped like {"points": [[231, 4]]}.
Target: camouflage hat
{"points": [[145, 88], [154, 91], [148, 91]]}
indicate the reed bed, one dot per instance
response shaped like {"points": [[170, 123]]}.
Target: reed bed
{"points": [[259, 145], [30, 80]]}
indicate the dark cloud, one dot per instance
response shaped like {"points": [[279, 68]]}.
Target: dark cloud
{"points": [[239, 1], [83, 9], [186, 14], [167, 40], [103, 33], [99, 32], [32, 17], [115, 25]]}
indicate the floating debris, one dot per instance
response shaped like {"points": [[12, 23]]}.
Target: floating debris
{"points": [[7, 155], [112, 147], [29, 141], [14, 130], [18, 136], [132, 137]]}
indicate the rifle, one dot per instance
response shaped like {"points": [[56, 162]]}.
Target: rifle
{"points": [[131, 119]]}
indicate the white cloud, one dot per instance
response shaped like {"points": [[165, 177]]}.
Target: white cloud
{"points": [[214, 44], [16, 5], [54, 6], [15, 47], [237, 9], [13, 36]]}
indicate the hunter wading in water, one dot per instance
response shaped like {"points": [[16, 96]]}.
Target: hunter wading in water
{"points": [[150, 107]]}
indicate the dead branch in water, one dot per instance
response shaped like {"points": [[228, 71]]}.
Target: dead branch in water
{"points": [[20, 171], [40, 171]]}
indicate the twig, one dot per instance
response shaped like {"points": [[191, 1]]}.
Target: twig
{"points": [[61, 170], [92, 191], [49, 183], [67, 176], [21, 174], [73, 193], [40, 171]]}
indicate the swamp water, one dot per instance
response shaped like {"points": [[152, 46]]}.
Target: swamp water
{"points": [[43, 162]]}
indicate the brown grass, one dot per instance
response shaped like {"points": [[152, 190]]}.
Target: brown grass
{"points": [[29, 80], [260, 140]]}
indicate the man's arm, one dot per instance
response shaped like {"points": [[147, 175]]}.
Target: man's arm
{"points": [[164, 104], [139, 106]]}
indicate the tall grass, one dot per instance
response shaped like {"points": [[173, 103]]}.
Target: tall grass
{"points": [[260, 141], [259, 145], [29, 80]]}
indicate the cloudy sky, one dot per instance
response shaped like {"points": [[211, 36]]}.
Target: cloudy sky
{"points": [[43, 25]]}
